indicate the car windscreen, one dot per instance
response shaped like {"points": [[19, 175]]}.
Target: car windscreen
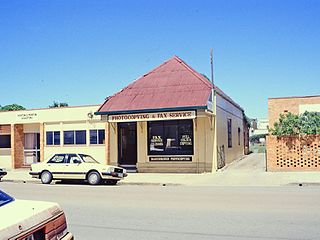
{"points": [[5, 198], [88, 158]]}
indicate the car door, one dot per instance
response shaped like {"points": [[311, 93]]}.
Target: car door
{"points": [[56, 165], [74, 168]]}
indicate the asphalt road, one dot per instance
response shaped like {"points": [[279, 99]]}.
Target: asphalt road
{"points": [[154, 212]]}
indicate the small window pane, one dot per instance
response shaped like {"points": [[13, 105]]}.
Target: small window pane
{"points": [[49, 137], [81, 137], [68, 137], [5, 141], [229, 133], [56, 138], [93, 137], [101, 137]]}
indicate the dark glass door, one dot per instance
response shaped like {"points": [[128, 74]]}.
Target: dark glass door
{"points": [[127, 144]]}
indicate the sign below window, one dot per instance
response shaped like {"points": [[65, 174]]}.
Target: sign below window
{"points": [[172, 159], [138, 117]]}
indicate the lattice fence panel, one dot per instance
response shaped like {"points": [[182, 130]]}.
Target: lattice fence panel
{"points": [[298, 153]]}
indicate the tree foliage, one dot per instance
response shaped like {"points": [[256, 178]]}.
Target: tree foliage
{"points": [[58, 104], [11, 107], [256, 138], [291, 124]]}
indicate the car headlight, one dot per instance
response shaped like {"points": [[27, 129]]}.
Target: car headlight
{"points": [[110, 169]]}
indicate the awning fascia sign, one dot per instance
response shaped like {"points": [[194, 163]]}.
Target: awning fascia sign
{"points": [[158, 116]]}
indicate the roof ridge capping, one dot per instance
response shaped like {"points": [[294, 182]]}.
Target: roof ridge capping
{"points": [[193, 71]]}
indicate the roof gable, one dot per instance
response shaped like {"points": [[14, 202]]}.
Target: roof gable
{"points": [[171, 85]]}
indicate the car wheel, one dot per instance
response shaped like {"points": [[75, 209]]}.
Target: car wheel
{"points": [[46, 177], [94, 178]]}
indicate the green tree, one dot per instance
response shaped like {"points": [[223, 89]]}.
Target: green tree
{"points": [[12, 107], [57, 104], [292, 124]]}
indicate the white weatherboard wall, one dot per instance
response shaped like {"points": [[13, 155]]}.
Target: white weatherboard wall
{"points": [[225, 111]]}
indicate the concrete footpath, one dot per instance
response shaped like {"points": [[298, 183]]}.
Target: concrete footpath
{"points": [[248, 171]]}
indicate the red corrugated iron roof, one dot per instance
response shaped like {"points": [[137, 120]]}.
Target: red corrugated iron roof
{"points": [[171, 85]]}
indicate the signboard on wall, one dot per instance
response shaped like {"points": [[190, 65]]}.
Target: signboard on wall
{"points": [[167, 159], [139, 117], [26, 116]]}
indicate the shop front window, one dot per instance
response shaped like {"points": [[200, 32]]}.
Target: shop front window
{"points": [[170, 137]]}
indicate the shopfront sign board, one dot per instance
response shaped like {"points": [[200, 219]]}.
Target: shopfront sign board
{"points": [[139, 117], [170, 159]]}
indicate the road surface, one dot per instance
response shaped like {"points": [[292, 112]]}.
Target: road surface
{"points": [[175, 212]]}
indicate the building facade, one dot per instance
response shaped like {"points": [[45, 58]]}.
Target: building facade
{"points": [[172, 120], [31, 136], [293, 153], [296, 105], [169, 120]]}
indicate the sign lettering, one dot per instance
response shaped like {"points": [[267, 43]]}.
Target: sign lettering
{"points": [[152, 116]]}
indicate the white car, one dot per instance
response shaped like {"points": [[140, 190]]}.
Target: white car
{"points": [[31, 220], [3, 172], [74, 166]]}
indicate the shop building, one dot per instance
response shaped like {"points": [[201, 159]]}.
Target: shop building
{"points": [[171, 120], [31, 136]]}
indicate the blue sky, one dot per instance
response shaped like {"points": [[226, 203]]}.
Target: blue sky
{"points": [[80, 51]]}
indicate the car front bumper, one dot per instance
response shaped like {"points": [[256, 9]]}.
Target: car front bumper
{"points": [[69, 236], [113, 175]]}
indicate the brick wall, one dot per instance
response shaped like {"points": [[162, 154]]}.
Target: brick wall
{"points": [[292, 153], [276, 106], [17, 145]]}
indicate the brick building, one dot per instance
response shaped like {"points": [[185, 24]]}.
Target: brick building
{"points": [[293, 153], [296, 105]]}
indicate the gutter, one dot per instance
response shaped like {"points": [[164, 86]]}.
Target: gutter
{"points": [[151, 110]]}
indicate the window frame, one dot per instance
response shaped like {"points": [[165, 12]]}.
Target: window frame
{"points": [[229, 132], [97, 136], [163, 127], [9, 143], [74, 140], [54, 134]]}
